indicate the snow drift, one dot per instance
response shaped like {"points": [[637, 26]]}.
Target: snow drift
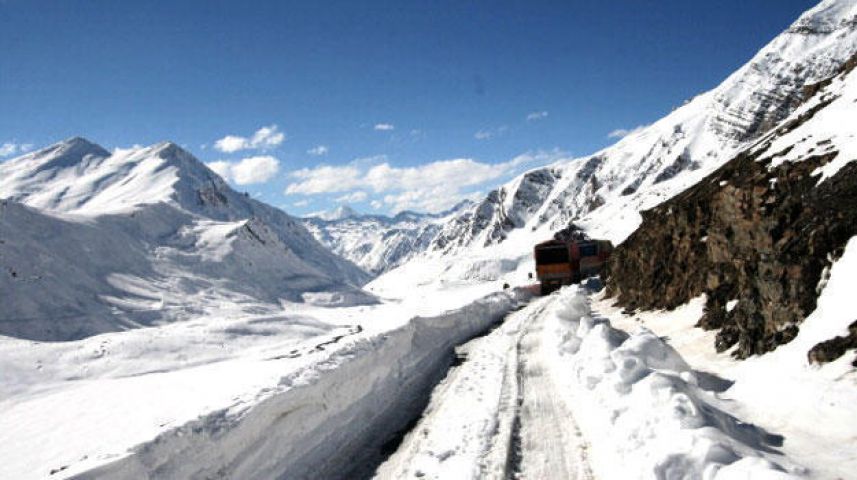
{"points": [[636, 399]]}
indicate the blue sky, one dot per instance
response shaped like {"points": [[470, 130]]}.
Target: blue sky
{"points": [[386, 105]]}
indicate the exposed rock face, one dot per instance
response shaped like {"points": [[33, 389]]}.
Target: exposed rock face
{"points": [[760, 230], [834, 348]]}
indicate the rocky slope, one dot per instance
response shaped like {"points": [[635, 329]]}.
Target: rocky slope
{"points": [[93, 241], [759, 235]]}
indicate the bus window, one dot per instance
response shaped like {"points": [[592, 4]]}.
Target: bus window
{"points": [[557, 254]]}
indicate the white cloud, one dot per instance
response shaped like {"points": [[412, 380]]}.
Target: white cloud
{"points": [[318, 150], [384, 126], [8, 149], [265, 138], [231, 143], [220, 167], [353, 197], [301, 203], [537, 116], [255, 170], [248, 170], [624, 132], [324, 179], [486, 134], [376, 204], [11, 148], [431, 187]]}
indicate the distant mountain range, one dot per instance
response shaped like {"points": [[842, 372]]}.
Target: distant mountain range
{"points": [[378, 243]]}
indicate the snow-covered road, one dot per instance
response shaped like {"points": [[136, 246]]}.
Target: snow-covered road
{"points": [[557, 392], [498, 414], [547, 440]]}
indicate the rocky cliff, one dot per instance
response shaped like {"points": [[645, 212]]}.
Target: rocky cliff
{"points": [[758, 235]]}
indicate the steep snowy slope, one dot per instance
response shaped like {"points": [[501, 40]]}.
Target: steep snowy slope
{"points": [[378, 243], [648, 166], [605, 191], [92, 242]]}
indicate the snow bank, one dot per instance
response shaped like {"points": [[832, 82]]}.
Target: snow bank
{"points": [[637, 400], [328, 420], [812, 406]]}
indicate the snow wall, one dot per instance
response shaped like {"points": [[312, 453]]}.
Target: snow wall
{"points": [[334, 419]]}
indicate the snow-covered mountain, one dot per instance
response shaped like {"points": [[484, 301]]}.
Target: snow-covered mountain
{"points": [[94, 241], [605, 192], [654, 163], [378, 243]]}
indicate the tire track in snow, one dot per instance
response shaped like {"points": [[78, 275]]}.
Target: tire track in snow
{"points": [[498, 415], [546, 441]]}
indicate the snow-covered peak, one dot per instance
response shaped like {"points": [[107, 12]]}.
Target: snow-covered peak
{"points": [[174, 217], [80, 147], [766, 89], [79, 177], [825, 17], [605, 190], [378, 243], [67, 153]]}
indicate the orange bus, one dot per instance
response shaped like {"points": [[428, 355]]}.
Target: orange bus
{"points": [[561, 263]]}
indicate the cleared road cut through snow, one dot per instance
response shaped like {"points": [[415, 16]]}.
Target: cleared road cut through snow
{"points": [[557, 392]]}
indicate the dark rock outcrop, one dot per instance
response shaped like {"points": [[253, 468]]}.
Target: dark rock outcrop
{"points": [[834, 348], [752, 233]]}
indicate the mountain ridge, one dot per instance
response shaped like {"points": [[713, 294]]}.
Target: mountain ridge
{"points": [[193, 243], [378, 243]]}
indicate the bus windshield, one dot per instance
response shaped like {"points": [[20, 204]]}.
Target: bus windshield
{"points": [[551, 254]]}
